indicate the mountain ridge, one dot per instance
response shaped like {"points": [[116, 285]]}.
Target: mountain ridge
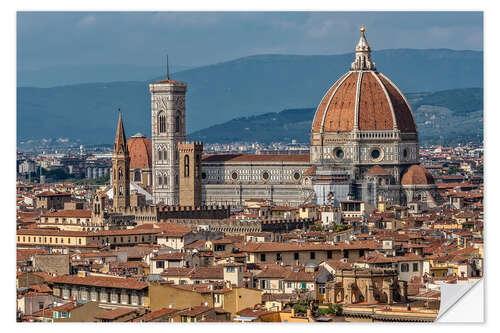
{"points": [[217, 93]]}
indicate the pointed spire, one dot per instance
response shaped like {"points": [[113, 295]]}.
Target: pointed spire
{"points": [[120, 138], [363, 59]]}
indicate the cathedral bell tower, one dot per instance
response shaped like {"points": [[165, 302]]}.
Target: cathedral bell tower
{"points": [[190, 173], [168, 128], [120, 169]]}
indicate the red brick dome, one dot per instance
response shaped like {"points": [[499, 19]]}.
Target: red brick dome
{"points": [[139, 148], [417, 175], [363, 99]]}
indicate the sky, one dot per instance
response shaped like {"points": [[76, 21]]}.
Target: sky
{"points": [[51, 39]]}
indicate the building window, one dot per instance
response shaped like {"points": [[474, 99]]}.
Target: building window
{"points": [[177, 123], [289, 285], [278, 256], [322, 289], [404, 267], [186, 165], [296, 256], [375, 154], [313, 255], [346, 254], [230, 269], [339, 153], [119, 173], [263, 284], [262, 257], [137, 176], [162, 124], [415, 267], [160, 264], [329, 254]]}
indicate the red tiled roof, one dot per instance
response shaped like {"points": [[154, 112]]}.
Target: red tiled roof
{"points": [[177, 271], [52, 194], [237, 158], [195, 311], [273, 272], [377, 170], [171, 256], [140, 152], [301, 276], [337, 264], [170, 81], [101, 281], [377, 101], [286, 247], [156, 314], [83, 213], [114, 313], [417, 175], [49, 313], [215, 273]]}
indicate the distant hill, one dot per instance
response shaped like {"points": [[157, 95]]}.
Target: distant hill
{"points": [[68, 75], [243, 87], [443, 117]]}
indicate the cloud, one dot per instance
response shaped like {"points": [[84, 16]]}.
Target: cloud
{"points": [[185, 18], [439, 32], [87, 21]]}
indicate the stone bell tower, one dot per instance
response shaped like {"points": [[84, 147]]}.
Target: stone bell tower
{"points": [[120, 169], [168, 127], [190, 173]]}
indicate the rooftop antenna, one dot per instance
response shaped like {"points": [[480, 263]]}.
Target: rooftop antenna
{"points": [[168, 72]]}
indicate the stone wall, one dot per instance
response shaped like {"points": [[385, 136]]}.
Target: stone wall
{"points": [[58, 263]]}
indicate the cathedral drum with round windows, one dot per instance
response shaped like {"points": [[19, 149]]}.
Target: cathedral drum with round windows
{"points": [[363, 113]]}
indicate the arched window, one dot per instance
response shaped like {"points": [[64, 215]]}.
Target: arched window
{"points": [[119, 173], [137, 176], [177, 123], [121, 190], [186, 165], [160, 155], [162, 122], [160, 180]]}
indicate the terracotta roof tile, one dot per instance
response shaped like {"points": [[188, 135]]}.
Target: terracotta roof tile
{"points": [[101, 281], [115, 313], [140, 152], [82, 213], [238, 158]]}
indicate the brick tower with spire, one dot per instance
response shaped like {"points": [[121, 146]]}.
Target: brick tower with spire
{"points": [[120, 169]]}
